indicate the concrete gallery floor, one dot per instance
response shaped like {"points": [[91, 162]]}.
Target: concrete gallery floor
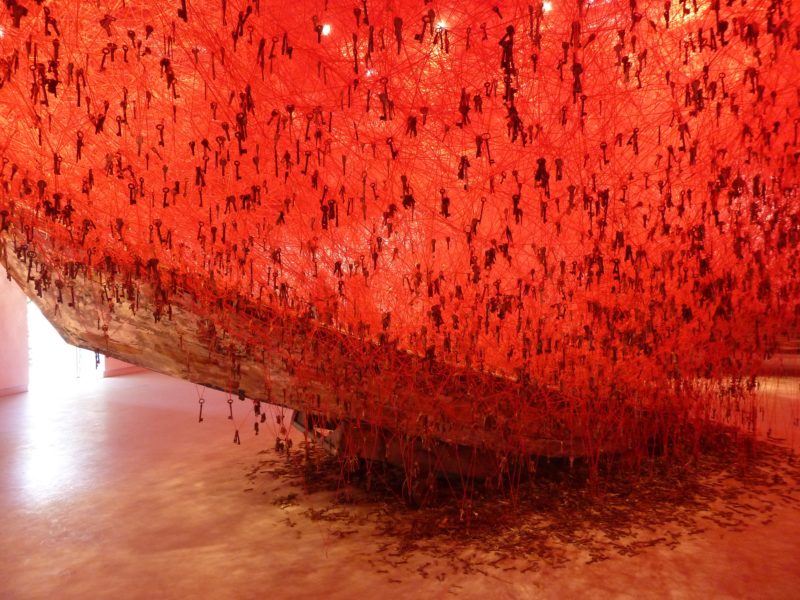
{"points": [[113, 489]]}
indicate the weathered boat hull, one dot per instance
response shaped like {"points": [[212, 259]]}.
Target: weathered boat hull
{"points": [[98, 311]]}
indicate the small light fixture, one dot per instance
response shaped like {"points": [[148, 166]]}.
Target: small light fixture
{"points": [[547, 6], [326, 29], [441, 25], [2, 33]]}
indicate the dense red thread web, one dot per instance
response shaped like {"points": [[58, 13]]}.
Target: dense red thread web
{"points": [[573, 213]]}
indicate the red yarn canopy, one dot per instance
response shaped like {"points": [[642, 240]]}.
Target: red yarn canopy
{"points": [[596, 199]]}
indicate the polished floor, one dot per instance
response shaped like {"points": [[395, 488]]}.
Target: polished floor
{"points": [[112, 489]]}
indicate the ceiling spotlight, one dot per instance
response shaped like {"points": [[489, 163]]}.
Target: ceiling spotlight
{"points": [[441, 25], [326, 29], [547, 6]]}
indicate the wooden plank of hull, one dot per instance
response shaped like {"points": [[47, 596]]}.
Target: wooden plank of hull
{"points": [[183, 345]]}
